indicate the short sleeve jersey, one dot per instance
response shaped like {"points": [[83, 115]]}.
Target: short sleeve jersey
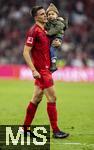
{"points": [[40, 43]]}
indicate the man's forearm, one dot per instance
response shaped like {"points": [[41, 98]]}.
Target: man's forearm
{"points": [[28, 60]]}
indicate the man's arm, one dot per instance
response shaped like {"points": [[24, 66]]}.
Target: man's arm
{"points": [[26, 54]]}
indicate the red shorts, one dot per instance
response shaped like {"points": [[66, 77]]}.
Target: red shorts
{"points": [[46, 80]]}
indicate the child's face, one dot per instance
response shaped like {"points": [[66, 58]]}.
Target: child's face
{"points": [[52, 15]]}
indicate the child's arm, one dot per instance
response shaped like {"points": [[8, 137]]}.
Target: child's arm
{"points": [[58, 28], [66, 23], [52, 32], [47, 26]]}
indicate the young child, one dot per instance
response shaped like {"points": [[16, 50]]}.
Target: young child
{"points": [[55, 29]]}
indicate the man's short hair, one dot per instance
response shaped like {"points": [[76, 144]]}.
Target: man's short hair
{"points": [[34, 10]]}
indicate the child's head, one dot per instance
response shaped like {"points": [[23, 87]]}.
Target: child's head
{"points": [[52, 12]]}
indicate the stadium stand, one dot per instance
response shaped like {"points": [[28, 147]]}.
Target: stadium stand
{"points": [[78, 44]]}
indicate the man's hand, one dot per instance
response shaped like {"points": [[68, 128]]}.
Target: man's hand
{"points": [[36, 74], [28, 59], [56, 42]]}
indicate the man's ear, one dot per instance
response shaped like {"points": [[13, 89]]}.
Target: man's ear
{"points": [[35, 18]]}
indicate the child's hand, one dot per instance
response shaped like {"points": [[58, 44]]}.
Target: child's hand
{"points": [[60, 18], [56, 42]]}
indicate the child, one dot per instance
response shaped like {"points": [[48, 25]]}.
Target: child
{"points": [[55, 29]]}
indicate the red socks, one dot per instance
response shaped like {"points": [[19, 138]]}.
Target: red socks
{"points": [[52, 113], [31, 110]]}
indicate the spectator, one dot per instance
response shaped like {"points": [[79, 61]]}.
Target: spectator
{"points": [[14, 21]]}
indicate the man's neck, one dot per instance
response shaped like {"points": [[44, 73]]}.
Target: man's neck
{"points": [[40, 24]]}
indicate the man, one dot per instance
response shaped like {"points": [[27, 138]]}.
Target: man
{"points": [[37, 56]]}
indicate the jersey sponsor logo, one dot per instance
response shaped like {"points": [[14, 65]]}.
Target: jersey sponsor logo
{"points": [[46, 67], [29, 40]]}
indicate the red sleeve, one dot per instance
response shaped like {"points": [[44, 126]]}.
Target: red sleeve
{"points": [[30, 38]]}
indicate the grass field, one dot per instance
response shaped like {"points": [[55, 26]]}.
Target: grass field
{"points": [[75, 106]]}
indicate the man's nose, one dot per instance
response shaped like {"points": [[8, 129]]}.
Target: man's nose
{"points": [[45, 15]]}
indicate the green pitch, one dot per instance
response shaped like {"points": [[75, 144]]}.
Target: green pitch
{"points": [[75, 104]]}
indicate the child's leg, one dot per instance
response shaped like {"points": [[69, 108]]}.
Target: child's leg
{"points": [[53, 58], [53, 54]]}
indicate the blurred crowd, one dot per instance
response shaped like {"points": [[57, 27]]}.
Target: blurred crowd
{"points": [[78, 43]]}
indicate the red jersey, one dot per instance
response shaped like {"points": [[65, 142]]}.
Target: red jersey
{"points": [[40, 43]]}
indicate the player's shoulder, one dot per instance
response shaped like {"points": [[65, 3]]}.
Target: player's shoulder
{"points": [[34, 31], [35, 28], [31, 30]]}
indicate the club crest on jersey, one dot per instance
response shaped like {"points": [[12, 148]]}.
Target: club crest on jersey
{"points": [[30, 40]]}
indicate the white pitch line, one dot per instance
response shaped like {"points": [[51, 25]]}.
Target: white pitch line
{"points": [[66, 143], [72, 143]]}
